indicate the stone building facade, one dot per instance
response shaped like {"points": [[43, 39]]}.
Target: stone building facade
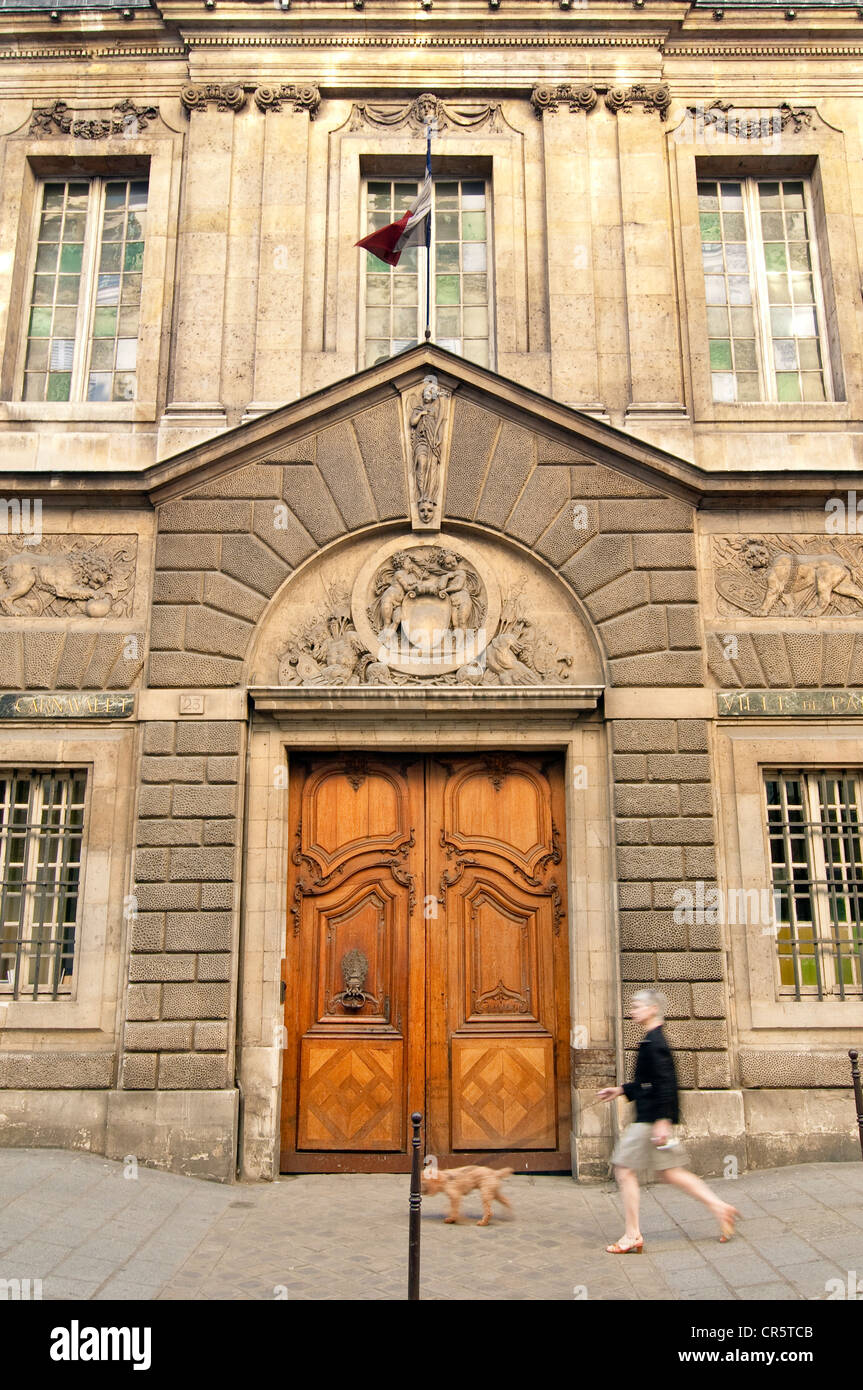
{"points": [[378, 713]]}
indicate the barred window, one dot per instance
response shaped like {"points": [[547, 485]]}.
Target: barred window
{"points": [[814, 825], [41, 835], [765, 311], [85, 297], [395, 296]]}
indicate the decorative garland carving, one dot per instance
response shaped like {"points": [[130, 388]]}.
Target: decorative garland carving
{"points": [[424, 110], [300, 98], [585, 97], [721, 116], [126, 119], [226, 96]]}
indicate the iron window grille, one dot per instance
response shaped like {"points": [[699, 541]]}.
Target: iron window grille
{"points": [[814, 829], [41, 840]]}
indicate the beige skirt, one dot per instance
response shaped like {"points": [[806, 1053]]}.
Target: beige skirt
{"points": [[634, 1150]]}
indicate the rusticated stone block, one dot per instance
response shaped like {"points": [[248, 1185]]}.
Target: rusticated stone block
{"points": [[651, 931], [309, 498], [693, 735], [162, 967], [713, 1071], [646, 799], [641, 631], [653, 862], [198, 931], [172, 769], [674, 586], [786, 1068], [341, 466], [835, 658], [657, 669], [205, 515], [217, 895], [231, 597], [708, 1000], [689, 965], [211, 1037], [214, 967], [700, 863], [147, 931], [158, 1037], [633, 896], [696, 799], [168, 627], [154, 801], [282, 532], [169, 832], [684, 632], [698, 1035], [379, 436], [139, 1071], [41, 657], [663, 514], [151, 865], [474, 431], [624, 595], [223, 769], [220, 832], [164, 897], [511, 464], [663, 552], [77, 653], [254, 480], [546, 492], [12, 660], [210, 863], [187, 552], [638, 965], [159, 737], [171, 670], [630, 767], [803, 650], [208, 630], [682, 830], [174, 586], [563, 539], [705, 936], [191, 1071], [679, 997], [208, 736], [601, 560], [668, 894], [56, 1071], [205, 801], [595, 480], [678, 767], [251, 562], [645, 735], [632, 832], [143, 1003], [195, 1001], [773, 658]]}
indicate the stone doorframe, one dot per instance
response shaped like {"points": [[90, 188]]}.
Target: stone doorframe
{"points": [[327, 722]]}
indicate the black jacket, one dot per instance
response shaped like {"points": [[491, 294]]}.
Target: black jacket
{"points": [[654, 1086]]}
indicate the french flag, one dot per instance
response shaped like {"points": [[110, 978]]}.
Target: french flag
{"points": [[412, 228]]}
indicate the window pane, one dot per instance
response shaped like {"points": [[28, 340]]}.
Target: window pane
{"points": [[114, 335], [787, 249]]}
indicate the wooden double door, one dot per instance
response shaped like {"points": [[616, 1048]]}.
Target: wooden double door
{"points": [[426, 964]]}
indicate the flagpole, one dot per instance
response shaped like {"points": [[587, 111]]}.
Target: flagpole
{"points": [[428, 236]]}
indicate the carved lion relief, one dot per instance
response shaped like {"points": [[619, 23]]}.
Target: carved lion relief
{"points": [[788, 576], [68, 576]]}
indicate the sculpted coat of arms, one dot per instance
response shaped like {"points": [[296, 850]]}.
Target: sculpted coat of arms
{"points": [[789, 576]]}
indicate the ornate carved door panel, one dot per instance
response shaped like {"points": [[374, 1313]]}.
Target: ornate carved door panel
{"points": [[426, 962]]}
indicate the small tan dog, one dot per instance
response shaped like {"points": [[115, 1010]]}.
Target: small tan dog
{"points": [[458, 1182]]}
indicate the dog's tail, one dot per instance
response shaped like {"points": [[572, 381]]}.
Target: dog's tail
{"points": [[505, 1172]]}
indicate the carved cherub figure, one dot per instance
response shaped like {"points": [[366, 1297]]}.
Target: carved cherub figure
{"points": [[400, 580]]}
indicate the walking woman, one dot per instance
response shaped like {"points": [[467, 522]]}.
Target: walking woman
{"points": [[648, 1143]]}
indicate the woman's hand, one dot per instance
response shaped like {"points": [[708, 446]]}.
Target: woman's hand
{"points": [[609, 1093], [661, 1132]]}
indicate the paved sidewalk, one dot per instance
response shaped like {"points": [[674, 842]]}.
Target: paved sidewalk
{"points": [[89, 1232]]}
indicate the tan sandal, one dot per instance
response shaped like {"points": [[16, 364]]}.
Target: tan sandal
{"points": [[726, 1225], [634, 1249]]}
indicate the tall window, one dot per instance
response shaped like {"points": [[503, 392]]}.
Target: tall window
{"points": [[814, 824], [41, 834], [765, 314], [82, 327], [395, 296]]}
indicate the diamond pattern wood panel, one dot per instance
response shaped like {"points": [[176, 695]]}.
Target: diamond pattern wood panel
{"points": [[503, 1094], [352, 1095]]}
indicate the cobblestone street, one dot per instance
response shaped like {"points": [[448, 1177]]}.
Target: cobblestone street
{"points": [[75, 1222]]}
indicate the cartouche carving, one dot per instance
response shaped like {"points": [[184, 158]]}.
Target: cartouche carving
{"points": [[125, 119], [88, 576], [789, 576], [425, 110]]}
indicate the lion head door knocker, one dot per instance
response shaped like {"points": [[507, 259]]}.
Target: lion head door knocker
{"points": [[355, 968]]}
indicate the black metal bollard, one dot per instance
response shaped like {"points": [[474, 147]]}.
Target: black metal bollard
{"points": [[415, 1205], [858, 1093]]}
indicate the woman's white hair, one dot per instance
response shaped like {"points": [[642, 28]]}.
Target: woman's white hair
{"points": [[654, 998]]}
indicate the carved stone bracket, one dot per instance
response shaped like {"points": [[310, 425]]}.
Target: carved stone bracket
{"points": [[225, 96], [742, 124], [427, 109], [294, 96], [585, 97], [125, 119]]}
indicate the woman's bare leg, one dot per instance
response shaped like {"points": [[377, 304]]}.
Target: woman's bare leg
{"points": [[682, 1177], [627, 1181]]}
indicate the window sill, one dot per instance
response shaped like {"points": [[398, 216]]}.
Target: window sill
{"points": [[87, 412], [809, 1013], [774, 412], [48, 1015]]}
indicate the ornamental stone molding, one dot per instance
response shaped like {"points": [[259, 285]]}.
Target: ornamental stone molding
{"points": [[224, 96], [723, 119], [788, 576], [297, 97], [67, 576], [427, 110], [545, 98], [125, 119]]}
